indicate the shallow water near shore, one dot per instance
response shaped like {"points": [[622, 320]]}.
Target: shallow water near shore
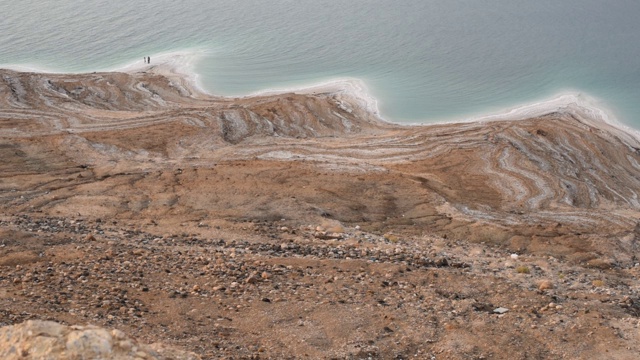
{"points": [[424, 61]]}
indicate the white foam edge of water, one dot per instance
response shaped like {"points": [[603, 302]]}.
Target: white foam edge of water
{"points": [[587, 108], [179, 62], [31, 68], [183, 63], [354, 87]]}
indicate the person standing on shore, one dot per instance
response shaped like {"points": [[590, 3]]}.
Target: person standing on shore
{"points": [[148, 59]]}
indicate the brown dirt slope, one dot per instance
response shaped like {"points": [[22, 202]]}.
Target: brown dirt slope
{"points": [[298, 225]]}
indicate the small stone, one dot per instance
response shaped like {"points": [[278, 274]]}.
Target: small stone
{"points": [[265, 275], [545, 285], [500, 310], [514, 256], [391, 237], [442, 262]]}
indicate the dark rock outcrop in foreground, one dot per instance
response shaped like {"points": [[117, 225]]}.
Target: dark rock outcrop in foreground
{"points": [[298, 225]]}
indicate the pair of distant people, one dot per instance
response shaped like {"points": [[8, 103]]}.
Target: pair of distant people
{"points": [[147, 59]]}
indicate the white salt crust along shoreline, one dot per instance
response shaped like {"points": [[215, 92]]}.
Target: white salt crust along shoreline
{"points": [[581, 106], [179, 65], [586, 108]]}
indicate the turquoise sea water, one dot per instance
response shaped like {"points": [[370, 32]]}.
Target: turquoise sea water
{"points": [[423, 60]]}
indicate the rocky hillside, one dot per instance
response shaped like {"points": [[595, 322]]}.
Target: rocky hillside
{"points": [[293, 225]]}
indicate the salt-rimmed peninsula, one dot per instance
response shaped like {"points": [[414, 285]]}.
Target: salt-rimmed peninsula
{"points": [[134, 199]]}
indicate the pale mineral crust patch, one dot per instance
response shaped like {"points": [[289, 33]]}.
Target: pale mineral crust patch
{"points": [[299, 225]]}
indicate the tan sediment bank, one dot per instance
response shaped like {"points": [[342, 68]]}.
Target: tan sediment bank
{"points": [[148, 164]]}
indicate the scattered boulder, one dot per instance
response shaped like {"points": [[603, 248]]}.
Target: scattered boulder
{"points": [[50, 340]]}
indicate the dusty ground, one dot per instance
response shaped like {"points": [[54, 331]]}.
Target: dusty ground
{"points": [[298, 226]]}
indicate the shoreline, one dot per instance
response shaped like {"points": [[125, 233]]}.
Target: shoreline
{"points": [[179, 65], [578, 104], [170, 64]]}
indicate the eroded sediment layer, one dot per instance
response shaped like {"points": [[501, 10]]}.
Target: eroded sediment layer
{"points": [[299, 225], [111, 144]]}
